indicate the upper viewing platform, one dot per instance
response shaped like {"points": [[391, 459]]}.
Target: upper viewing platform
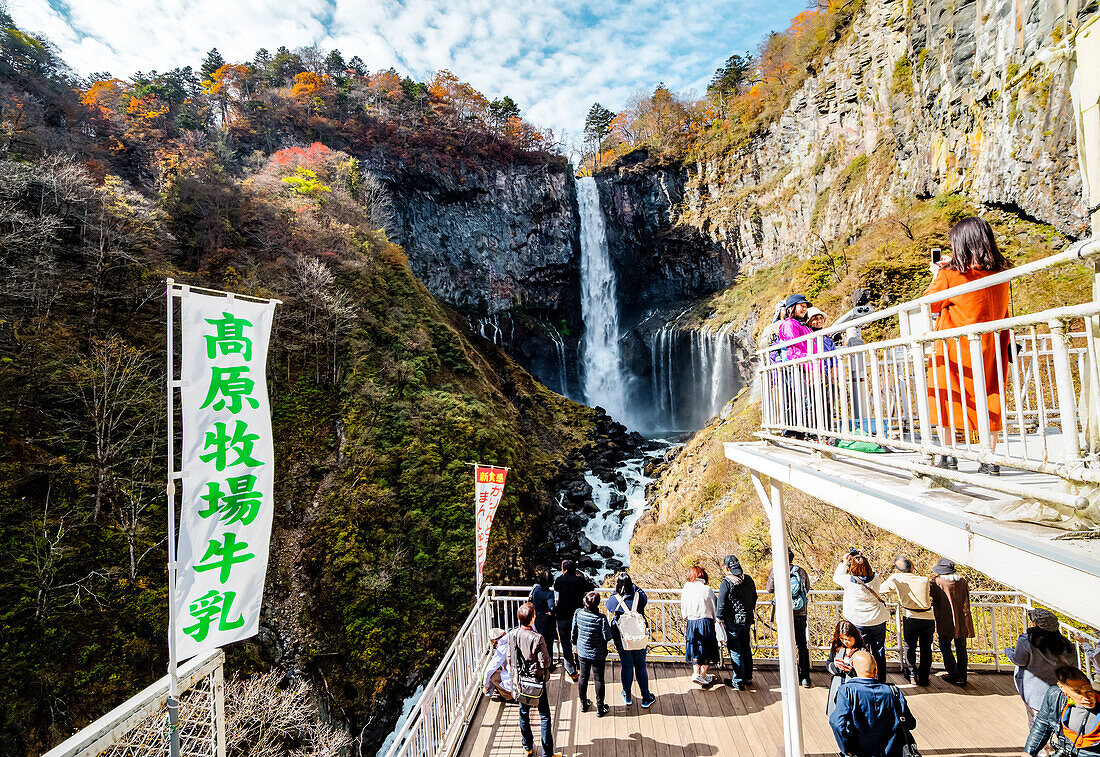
{"points": [[857, 426]]}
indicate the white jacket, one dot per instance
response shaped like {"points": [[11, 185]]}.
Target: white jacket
{"points": [[914, 592], [499, 662], [697, 601], [861, 605]]}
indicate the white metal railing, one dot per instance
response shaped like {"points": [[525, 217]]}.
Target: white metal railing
{"points": [[905, 392], [139, 726], [438, 722]]}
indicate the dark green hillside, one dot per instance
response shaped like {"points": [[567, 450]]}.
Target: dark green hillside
{"points": [[379, 397]]}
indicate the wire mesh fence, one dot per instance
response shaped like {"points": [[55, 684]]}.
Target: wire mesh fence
{"points": [[139, 727]]}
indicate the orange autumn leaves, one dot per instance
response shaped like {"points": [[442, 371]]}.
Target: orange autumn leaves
{"points": [[728, 116]]}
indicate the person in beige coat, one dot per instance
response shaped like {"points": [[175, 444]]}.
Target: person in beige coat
{"points": [[918, 622], [954, 624]]}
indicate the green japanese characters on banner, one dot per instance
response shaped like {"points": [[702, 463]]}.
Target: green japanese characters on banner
{"points": [[227, 471]]}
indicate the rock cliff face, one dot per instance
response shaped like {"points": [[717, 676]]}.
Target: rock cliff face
{"points": [[919, 98], [657, 262], [500, 244], [923, 97]]}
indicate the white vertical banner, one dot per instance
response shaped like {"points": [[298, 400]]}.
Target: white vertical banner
{"points": [[488, 488], [227, 471]]}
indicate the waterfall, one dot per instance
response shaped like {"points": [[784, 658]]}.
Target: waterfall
{"points": [[559, 349], [603, 371], [721, 372], [692, 374]]}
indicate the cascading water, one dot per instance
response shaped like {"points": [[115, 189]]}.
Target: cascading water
{"points": [[693, 374], [604, 384], [559, 350], [620, 508]]}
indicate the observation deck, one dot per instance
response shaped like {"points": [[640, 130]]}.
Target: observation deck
{"points": [[860, 426], [687, 721], [453, 717]]}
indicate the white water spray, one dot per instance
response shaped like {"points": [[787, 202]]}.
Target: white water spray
{"points": [[603, 371]]}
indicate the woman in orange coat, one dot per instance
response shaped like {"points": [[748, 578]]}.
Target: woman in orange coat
{"points": [[974, 255]]}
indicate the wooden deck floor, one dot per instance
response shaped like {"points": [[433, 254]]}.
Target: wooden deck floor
{"points": [[983, 720]]}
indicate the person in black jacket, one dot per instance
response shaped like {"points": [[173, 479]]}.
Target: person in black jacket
{"points": [[590, 633], [571, 587], [1069, 718], [736, 611]]}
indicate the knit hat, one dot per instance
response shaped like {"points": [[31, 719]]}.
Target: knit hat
{"points": [[793, 300], [1045, 619], [812, 312], [733, 565], [944, 567]]}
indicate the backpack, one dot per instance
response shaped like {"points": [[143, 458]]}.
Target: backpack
{"points": [[799, 597], [1073, 720], [632, 627]]}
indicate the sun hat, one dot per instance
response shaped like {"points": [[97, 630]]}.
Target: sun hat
{"points": [[944, 567], [815, 312], [793, 300], [496, 633]]}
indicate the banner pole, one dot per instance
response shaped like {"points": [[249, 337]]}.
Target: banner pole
{"points": [[477, 572], [170, 491]]}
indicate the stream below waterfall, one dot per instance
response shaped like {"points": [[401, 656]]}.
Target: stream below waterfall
{"points": [[602, 509], [620, 509]]}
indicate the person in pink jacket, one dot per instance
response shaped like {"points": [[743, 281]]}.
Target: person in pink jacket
{"points": [[793, 326]]}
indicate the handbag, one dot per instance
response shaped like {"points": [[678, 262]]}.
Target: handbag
{"points": [[909, 744], [834, 689], [528, 686]]}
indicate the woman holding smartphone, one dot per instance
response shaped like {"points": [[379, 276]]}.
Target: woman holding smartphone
{"points": [[847, 640], [951, 386]]}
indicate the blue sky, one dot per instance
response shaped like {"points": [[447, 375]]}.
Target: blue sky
{"points": [[555, 58]]}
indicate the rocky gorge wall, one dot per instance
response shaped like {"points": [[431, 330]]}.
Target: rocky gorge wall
{"points": [[657, 261], [919, 98], [499, 243]]}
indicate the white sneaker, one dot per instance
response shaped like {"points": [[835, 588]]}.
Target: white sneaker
{"points": [[699, 680]]}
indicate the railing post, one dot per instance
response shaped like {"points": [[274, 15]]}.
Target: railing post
{"points": [[879, 419], [993, 633], [919, 356], [1067, 397], [981, 400]]}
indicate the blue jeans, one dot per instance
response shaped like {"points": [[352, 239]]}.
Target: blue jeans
{"points": [[739, 644], [633, 666], [547, 729], [874, 638]]}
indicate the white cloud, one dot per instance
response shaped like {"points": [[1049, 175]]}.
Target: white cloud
{"points": [[554, 58]]}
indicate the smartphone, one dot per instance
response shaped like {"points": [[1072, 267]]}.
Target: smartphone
{"points": [[936, 251]]}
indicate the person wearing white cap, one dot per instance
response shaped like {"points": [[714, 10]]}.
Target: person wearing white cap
{"points": [[498, 676]]}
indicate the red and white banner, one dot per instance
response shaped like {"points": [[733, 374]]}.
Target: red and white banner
{"points": [[488, 486]]}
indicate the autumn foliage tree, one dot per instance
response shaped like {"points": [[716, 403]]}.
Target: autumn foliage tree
{"points": [[313, 90], [745, 94], [448, 92]]}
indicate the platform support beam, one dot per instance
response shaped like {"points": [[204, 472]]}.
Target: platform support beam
{"points": [[770, 492]]}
